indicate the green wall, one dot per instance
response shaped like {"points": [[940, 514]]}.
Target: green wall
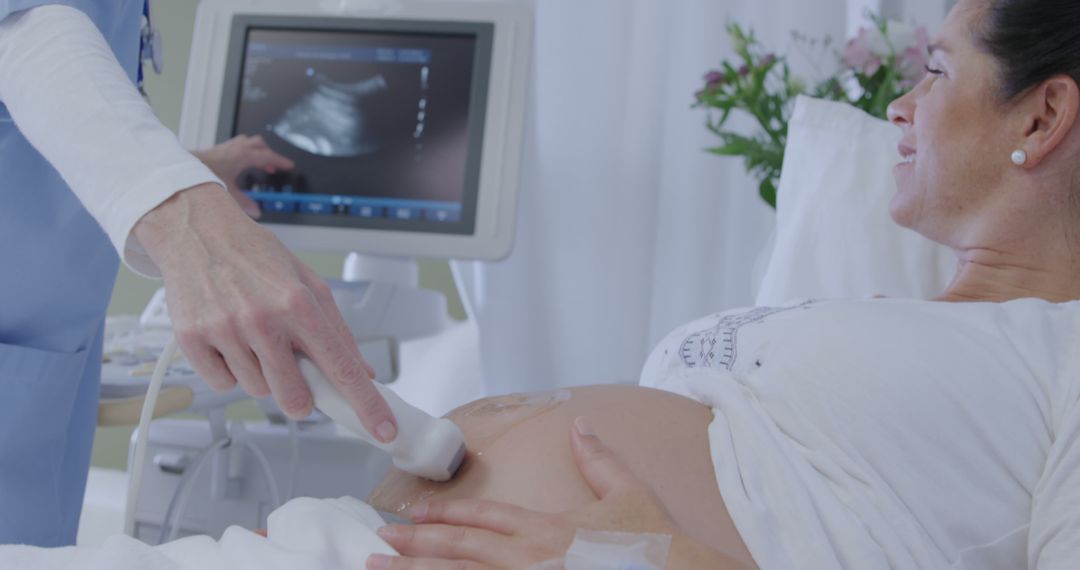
{"points": [[175, 19]]}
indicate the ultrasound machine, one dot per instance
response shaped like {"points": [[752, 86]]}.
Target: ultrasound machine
{"points": [[404, 120]]}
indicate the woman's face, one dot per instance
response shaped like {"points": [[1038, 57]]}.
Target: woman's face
{"points": [[953, 144]]}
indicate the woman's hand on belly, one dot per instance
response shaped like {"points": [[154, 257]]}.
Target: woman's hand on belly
{"points": [[490, 534]]}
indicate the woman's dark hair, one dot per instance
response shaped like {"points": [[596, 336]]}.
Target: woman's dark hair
{"points": [[1032, 41]]}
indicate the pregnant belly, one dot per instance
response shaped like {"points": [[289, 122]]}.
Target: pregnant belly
{"points": [[519, 453]]}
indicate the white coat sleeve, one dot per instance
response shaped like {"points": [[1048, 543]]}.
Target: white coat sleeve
{"points": [[1054, 537], [329, 534], [69, 97]]}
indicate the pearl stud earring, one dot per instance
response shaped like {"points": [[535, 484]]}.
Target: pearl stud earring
{"points": [[1019, 157]]}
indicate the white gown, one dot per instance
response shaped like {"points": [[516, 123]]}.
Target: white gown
{"points": [[891, 433]]}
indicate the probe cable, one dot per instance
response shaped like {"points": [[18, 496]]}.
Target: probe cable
{"points": [[179, 498], [143, 434]]}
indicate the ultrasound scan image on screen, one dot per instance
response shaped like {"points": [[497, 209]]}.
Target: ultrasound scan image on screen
{"points": [[380, 126]]}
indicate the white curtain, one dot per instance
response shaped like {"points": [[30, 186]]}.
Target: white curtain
{"points": [[625, 226], [925, 12]]}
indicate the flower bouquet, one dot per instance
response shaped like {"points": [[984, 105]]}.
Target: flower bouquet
{"points": [[880, 64]]}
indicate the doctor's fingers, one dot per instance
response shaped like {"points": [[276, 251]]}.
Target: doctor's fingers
{"points": [[249, 206], [241, 364], [262, 156], [245, 367], [339, 359], [334, 352], [279, 368], [325, 298], [206, 360], [268, 160]]}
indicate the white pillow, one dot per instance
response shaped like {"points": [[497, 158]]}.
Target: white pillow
{"points": [[834, 236]]}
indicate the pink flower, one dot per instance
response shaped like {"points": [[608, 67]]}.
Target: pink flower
{"points": [[914, 59], [714, 79], [859, 54], [868, 51]]}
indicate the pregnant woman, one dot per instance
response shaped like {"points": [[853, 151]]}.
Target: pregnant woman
{"points": [[877, 433]]}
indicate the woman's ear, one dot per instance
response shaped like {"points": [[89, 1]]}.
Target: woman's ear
{"points": [[1052, 110]]}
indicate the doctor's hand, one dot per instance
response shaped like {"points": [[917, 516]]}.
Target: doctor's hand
{"points": [[228, 159], [241, 306], [480, 535]]}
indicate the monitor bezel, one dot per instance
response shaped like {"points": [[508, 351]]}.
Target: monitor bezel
{"points": [[483, 32], [503, 139]]}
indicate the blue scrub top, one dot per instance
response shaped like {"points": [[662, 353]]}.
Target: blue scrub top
{"points": [[57, 269]]}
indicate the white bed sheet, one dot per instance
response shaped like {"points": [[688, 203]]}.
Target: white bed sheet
{"points": [[329, 534]]}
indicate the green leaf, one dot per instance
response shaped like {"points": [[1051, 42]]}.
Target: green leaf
{"points": [[734, 145], [884, 95], [767, 191]]}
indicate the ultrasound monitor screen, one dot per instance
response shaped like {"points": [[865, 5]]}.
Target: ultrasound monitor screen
{"points": [[383, 119]]}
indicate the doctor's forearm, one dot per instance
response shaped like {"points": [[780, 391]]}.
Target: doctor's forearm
{"points": [[70, 98], [173, 228]]}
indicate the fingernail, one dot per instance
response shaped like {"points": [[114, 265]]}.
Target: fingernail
{"points": [[386, 431], [418, 512], [378, 562], [386, 532], [582, 427]]}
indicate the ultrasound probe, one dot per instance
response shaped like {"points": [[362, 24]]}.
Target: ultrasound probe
{"points": [[428, 447]]}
